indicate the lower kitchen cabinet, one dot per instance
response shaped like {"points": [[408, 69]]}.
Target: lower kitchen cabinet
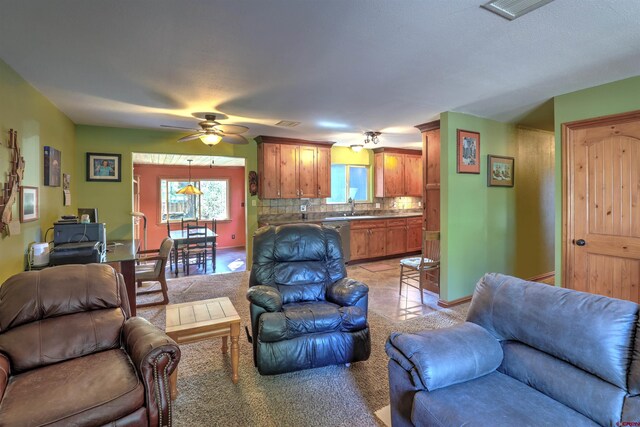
{"points": [[379, 238]]}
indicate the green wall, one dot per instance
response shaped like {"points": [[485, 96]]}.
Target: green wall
{"points": [[478, 224], [612, 98], [114, 200], [38, 123]]}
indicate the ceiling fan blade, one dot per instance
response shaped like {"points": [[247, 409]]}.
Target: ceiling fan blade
{"points": [[190, 137], [177, 127], [234, 139], [231, 129]]}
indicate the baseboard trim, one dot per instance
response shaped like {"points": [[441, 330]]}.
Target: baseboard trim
{"points": [[541, 277], [449, 304]]}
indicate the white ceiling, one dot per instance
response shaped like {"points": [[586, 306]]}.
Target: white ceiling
{"points": [[339, 67], [183, 160]]}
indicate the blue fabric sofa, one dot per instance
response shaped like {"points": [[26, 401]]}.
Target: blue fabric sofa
{"points": [[529, 354]]}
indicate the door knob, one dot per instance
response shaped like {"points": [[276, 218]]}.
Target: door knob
{"points": [[580, 242]]}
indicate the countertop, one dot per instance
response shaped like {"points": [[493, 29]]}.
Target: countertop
{"points": [[341, 218]]}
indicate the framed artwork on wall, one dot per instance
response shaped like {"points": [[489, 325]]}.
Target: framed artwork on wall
{"points": [[468, 151], [52, 166], [104, 167], [29, 204], [500, 171]]}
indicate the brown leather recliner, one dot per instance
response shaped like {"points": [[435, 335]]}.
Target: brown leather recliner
{"points": [[70, 354]]}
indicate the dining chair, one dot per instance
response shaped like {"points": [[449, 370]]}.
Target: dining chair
{"points": [[212, 243], [173, 255], [418, 271], [154, 272], [195, 248]]}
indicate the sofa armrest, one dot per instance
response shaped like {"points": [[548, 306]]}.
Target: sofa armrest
{"points": [[346, 292], [266, 297], [443, 357], [5, 372], [155, 357]]}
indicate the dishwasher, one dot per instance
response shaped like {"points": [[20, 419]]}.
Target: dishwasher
{"points": [[343, 228]]}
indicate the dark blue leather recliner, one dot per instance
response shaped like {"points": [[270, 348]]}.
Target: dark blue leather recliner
{"points": [[305, 313]]}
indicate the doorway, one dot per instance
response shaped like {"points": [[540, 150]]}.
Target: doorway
{"points": [[601, 205], [157, 177]]}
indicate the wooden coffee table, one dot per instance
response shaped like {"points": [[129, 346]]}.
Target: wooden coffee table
{"points": [[200, 320]]}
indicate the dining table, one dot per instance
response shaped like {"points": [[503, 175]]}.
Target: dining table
{"points": [[180, 239]]}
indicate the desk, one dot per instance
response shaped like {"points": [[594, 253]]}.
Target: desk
{"points": [[122, 257], [180, 238]]}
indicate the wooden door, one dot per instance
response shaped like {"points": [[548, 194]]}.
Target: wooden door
{"points": [[269, 161], [288, 171], [307, 175], [393, 175], [413, 175], [603, 217], [359, 247], [431, 198], [377, 242], [323, 169]]}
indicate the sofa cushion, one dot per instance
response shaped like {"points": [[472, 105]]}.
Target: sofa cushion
{"points": [[597, 399], [304, 318], [57, 339], [590, 331], [493, 400], [90, 390]]}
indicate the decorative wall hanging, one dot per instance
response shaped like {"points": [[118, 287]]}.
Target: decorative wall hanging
{"points": [[29, 204], [500, 171], [468, 144], [10, 188], [52, 166], [104, 167], [253, 183]]}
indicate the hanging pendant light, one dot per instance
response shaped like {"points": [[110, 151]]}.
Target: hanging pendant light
{"points": [[189, 190]]}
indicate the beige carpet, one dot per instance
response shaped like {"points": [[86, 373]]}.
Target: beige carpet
{"points": [[330, 396]]}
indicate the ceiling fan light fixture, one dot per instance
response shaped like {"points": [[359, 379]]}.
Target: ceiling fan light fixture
{"points": [[210, 139], [357, 147]]}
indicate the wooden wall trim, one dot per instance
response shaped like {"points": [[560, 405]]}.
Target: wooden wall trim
{"points": [[425, 127], [261, 139], [541, 277], [611, 119], [398, 151], [449, 304]]}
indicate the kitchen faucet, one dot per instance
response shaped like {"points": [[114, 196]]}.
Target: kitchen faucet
{"points": [[353, 205]]}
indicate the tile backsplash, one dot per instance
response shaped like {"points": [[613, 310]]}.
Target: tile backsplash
{"points": [[318, 208]]}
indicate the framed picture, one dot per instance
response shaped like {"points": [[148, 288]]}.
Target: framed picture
{"points": [[468, 152], [104, 167], [500, 171], [52, 166], [29, 204]]}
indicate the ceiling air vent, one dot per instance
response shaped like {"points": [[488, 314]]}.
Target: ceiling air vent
{"points": [[512, 9], [287, 124]]}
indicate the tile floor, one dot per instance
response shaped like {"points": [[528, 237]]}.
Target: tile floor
{"points": [[384, 285]]}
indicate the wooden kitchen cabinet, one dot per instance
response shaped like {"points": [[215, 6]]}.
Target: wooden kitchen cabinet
{"points": [[367, 239], [413, 175], [293, 168], [323, 171], [431, 173], [414, 234], [396, 236], [397, 172]]}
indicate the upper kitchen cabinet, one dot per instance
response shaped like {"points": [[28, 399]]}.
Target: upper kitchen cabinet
{"points": [[398, 172], [293, 168], [431, 163]]}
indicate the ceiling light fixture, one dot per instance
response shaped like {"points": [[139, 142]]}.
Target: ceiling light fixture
{"points": [[512, 9], [210, 139], [371, 137], [357, 147], [189, 190]]}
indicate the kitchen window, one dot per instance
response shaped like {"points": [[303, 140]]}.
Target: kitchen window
{"points": [[213, 203], [348, 181]]}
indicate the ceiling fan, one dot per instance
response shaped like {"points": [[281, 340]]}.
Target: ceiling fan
{"points": [[212, 132]]}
